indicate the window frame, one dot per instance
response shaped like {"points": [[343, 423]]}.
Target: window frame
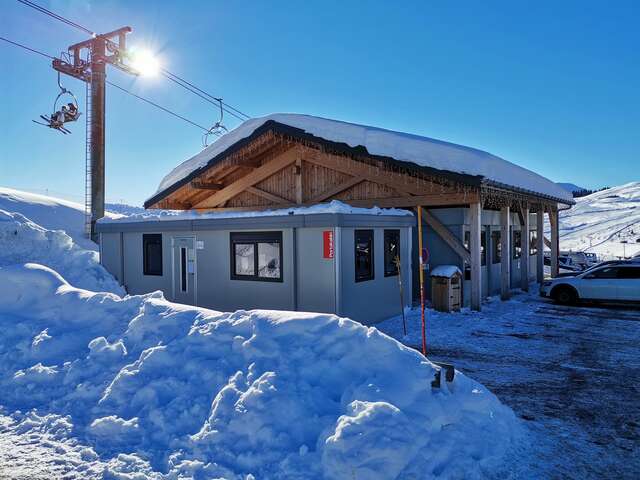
{"points": [[255, 238], [533, 241], [371, 234], [146, 240], [483, 245], [388, 232]]}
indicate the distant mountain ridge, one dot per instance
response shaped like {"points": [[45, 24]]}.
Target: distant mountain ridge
{"points": [[570, 187]]}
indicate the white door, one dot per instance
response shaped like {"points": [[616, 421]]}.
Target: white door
{"points": [[600, 284], [184, 270], [629, 283]]}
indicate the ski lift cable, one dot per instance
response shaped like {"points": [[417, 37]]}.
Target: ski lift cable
{"points": [[185, 84], [38, 52]]}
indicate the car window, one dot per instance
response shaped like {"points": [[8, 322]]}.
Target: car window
{"points": [[629, 272], [607, 272]]}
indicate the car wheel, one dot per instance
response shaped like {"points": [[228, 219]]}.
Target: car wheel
{"points": [[565, 296]]}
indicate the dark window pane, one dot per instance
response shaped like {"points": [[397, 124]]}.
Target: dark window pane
{"points": [[629, 273], [364, 255], [483, 248], [496, 247], [269, 260], [517, 244], [533, 242], [609, 272], [244, 258], [152, 254], [391, 252], [183, 269]]}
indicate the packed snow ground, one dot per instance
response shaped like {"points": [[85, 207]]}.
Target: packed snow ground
{"points": [[157, 387], [571, 373], [601, 221]]}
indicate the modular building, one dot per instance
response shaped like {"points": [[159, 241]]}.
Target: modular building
{"points": [[342, 263]]}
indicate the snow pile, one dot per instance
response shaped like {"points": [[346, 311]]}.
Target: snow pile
{"points": [[23, 241], [335, 206], [50, 212], [600, 222], [159, 387], [422, 151]]}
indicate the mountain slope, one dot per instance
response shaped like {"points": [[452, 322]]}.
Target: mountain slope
{"points": [[570, 187], [600, 222], [49, 212]]}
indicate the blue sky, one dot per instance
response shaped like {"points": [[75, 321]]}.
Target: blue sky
{"points": [[552, 86]]}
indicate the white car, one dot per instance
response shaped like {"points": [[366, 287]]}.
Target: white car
{"points": [[610, 282]]}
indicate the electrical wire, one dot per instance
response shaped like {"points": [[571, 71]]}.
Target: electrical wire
{"points": [[27, 48], [231, 110], [164, 109]]}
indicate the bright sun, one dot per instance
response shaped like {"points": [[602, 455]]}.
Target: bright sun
{"points": [[145, 63]]}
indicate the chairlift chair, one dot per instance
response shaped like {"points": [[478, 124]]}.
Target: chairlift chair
{"points": [[62, 113], [217, 127]]}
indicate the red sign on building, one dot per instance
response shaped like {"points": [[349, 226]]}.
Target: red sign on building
{"points": [[328, 243]]}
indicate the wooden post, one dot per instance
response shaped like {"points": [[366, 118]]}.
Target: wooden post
{"points": [[540, 249], [524, 243], [299, 182], [475, 220], [421, 265], [555, 242], [505, 254]]}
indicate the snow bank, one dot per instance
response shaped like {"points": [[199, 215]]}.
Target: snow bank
{"points": [[23, 241], [159, 387], [422, 151], [335, 206]]}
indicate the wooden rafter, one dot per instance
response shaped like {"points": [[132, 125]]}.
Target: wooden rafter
{"points": [[269, 196], [200, 185], [249, 180], [341, 187]]}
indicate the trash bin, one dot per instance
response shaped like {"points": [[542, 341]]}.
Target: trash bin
{"points": [[446, 288]]}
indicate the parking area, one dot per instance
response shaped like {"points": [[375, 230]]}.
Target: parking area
{"points": [[572, 374]]}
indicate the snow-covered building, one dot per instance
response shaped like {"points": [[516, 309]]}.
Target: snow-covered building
{"points": [[474, 206]]}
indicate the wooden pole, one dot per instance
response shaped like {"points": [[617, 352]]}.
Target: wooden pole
{"points": [[524, 255], [475, 221], [505, 253], [555, 242], [421, 262], [540, 249]]}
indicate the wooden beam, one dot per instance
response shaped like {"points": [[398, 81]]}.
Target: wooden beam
{"points": [[475, 220], [366, 172], [249, 180], [446, 235], [547, 242], [431, 200], [200, 185], [341, 187], [269, 196], [298, 174], [540, 239], [505, 253], [555, 242], [524, 243]]}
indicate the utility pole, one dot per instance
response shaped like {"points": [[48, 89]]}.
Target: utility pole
{"points": [[87, 61]]}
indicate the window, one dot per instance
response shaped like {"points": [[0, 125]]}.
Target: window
{"points": [[364, 255], [517, 244], [256, 256], [609, 272], [497, 247], [391, 252], [533, 242], [629, 273], [152, 254], [483, 243], [183, 269]]}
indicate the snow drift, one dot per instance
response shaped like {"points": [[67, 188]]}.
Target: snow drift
{"points": [[149, 386], [23, 241]]}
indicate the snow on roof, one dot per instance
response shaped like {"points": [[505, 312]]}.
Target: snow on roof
{"points": [[422, 151], [334, 206], [447, 271]]}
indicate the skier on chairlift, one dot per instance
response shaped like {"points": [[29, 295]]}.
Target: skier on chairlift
{"points": [[70, 112]]}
